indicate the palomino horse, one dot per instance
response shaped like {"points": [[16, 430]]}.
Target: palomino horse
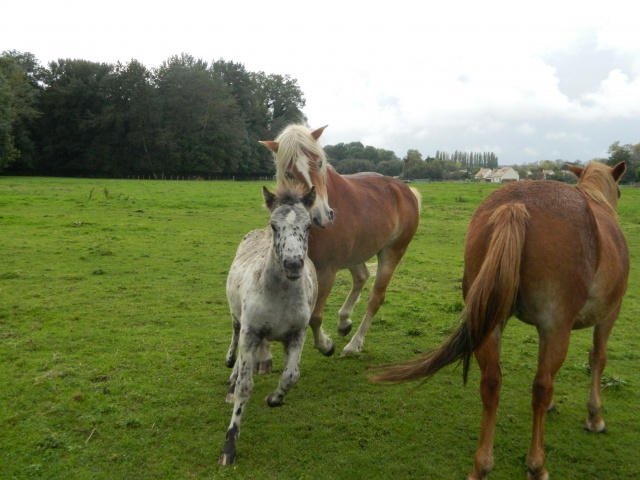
{"points": [[359, 216], [554, 257], [271, 290]]}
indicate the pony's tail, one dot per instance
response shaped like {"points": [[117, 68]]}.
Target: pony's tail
{"points": [[489, 301]]}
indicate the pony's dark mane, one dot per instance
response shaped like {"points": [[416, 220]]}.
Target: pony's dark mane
{"points": [[289, 193]]}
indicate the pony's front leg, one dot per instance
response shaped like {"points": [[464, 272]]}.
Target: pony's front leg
{"points": [[243, 388], [232, 384], [359, 275], [292, 352], [233, 348], [264, 360]]}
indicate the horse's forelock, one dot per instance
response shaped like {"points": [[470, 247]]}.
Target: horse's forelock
{"points": [[295, 144]]}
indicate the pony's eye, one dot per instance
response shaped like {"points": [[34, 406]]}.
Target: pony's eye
{"points": [[319, 164], [290, 176]]}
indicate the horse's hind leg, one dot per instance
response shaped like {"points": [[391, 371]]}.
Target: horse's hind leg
{"points": [[264, 360], [597, 362], [359, 274], [552, 350], [387, 262], [488, 358], [291, 374], [243, 386]]}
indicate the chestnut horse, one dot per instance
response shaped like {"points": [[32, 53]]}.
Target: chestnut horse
{"points": [[358, 217], [554, 257]]}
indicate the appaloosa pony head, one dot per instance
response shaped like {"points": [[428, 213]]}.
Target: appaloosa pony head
{"points": [[300, 158], [290, 223]]}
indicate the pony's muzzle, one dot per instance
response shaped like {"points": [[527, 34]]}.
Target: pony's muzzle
{"points": [[293, 268]]}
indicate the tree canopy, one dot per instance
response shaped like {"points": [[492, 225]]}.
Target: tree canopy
{"points": [[185, 117], [190, 118]]}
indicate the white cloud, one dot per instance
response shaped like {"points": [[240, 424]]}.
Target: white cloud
{"points": [[617, 97], [400, 75], [566, 137], [526, 129]]}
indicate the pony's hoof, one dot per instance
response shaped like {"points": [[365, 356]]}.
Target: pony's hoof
{"points": [[344, 331], [330, 351], [226, 459], [274, 400]]}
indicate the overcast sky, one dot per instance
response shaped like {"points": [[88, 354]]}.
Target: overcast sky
{"points": [[528, 81]]}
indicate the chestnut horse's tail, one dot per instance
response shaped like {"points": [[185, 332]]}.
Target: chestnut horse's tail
{"points": [[418, 196], [488, 304]]}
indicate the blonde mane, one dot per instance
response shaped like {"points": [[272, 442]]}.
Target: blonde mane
{"points": [[597, 183], [294, 143]]}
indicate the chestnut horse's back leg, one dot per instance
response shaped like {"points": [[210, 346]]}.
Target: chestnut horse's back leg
{"points": [[554, 343], [488, 358], [597, 362], [388, 260]]}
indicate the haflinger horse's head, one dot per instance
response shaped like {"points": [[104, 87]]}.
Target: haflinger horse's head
{"points": [[290, 223], [300, 158], [600, 182]]}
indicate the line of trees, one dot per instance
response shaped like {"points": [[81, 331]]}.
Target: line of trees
{"points": [[77, 117], [355, 157], [187, 118], [469, 160]]}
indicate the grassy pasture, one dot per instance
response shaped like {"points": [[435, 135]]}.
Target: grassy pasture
{"points": [[114, 325]]}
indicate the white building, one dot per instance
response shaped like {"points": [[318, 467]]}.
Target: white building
{"points": [[484, 175], [504, 174]]}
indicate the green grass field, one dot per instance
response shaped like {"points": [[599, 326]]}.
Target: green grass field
{"points": [[114, 325]]}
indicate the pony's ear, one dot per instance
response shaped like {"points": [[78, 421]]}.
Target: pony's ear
{"points": [[309, 199], [577, 171], [316, 133], [618, 171], [271, 145], [269, 198]]}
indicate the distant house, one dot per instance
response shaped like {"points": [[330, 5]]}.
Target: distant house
{"points": [[546, 173], [504, 174], [484, 175]]}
